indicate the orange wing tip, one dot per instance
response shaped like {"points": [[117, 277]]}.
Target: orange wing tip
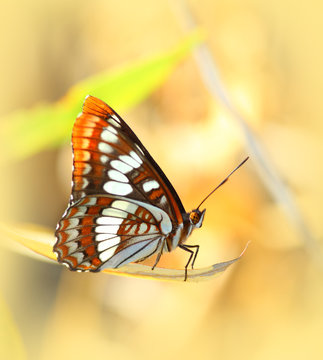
{"points": [[97, 107]]}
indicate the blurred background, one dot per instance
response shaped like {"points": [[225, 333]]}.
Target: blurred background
{"points": [[269, 56]]}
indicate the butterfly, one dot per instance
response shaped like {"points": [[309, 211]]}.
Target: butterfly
{"points": [[122, 207]]}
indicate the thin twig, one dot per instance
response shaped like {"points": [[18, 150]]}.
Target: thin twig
{"points": [[267, 171]]}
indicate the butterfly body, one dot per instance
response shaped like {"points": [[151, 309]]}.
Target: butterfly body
{"points": [[122, 208]]}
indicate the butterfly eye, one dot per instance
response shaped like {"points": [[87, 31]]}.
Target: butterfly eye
{"points": [[195, 217]]}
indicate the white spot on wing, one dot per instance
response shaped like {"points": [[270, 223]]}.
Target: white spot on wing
{"points": [[71, 234], [72, 246], [118, 176], [81, 210], [129, 160], [138, 147], [121, 166], [79, 256], [85, 183], [104, 159], [113, 130], [107, 229], [113, 116], [91, 201], [73, 222], [87, 169], [105, 148], [132, 230], [116, 188], [109, 252], [127, 227], [125, 205], [107, 136], [150, 185], [114, 121], [114, 212], [103, 237], [136, 157], [105, 220], [104, 245], [163, 200], [142, 228]]}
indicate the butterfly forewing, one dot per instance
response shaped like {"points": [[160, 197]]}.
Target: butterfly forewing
{"points": [[122, 205], [109, 158]]}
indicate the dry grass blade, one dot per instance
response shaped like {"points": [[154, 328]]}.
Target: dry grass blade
{"points": [[40, 241]]}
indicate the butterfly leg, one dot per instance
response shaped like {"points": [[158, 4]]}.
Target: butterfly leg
{"points": [[197, 247], [192, 256]]}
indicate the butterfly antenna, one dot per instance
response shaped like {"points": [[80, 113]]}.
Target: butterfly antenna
{"points": [[224, 181]]}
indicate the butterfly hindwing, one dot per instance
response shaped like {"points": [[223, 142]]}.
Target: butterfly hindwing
{"points": [[107, 232]]}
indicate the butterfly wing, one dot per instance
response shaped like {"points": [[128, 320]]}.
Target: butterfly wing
{"points": [[107, 232], [107, 155], [122, 205]]}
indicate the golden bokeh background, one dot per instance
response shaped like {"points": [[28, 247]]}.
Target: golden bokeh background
{"points": [[267, 306]]}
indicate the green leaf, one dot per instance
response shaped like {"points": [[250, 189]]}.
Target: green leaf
{"points": [[27, 132]]}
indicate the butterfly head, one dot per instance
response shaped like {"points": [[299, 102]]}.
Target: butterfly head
{"points": [[196, 217]]}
